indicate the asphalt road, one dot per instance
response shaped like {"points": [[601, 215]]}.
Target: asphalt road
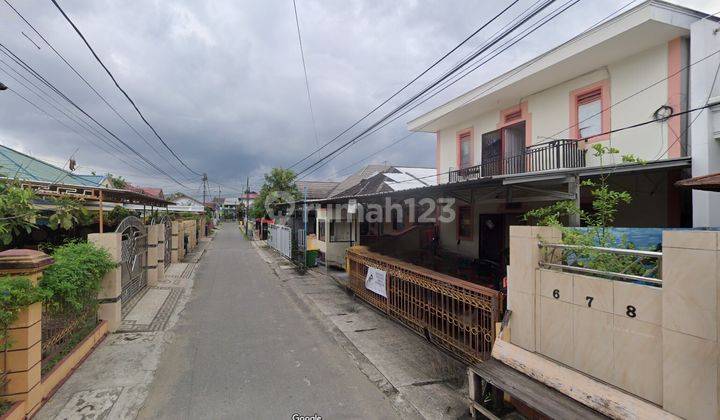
{"points": [[244, 348]]}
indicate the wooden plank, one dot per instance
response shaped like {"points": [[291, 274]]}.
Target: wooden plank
{"points": [[601, 397], [533, 393]]}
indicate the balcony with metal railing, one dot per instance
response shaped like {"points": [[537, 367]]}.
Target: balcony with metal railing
{"points": [[556, 154]]}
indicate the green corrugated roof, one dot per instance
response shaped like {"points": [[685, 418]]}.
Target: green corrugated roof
{"points": [[14, 164]]}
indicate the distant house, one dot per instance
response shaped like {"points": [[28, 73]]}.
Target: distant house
{"points": [[151, 191], [248, 199], [185, 200], [333, 232]]}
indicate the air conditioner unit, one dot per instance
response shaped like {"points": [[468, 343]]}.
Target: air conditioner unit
{"points": [[715, 116]]}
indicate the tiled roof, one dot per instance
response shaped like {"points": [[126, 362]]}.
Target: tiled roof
{"points": [[14, 164], [316, 189]]}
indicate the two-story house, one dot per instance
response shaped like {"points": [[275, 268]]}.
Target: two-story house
{"points": [[525, 138]]}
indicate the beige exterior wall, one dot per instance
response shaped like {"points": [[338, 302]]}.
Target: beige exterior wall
{"points": [[549, 111], [658, 343], [334, 251]]}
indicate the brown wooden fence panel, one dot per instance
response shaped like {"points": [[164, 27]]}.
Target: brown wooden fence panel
{"points": [[457, 315]]}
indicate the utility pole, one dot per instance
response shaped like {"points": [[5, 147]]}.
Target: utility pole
{"points": [[305, 223], [247, 203], [204, 179]]}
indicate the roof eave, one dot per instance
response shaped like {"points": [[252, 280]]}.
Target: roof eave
{"points": [[652, 10]]}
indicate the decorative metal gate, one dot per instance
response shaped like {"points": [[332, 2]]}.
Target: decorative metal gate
{"points": [[133, 257]]}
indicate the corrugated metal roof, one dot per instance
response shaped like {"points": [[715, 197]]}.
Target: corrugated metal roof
{"points": [[96, 179], [14, 164], [357, 178], [710, 182]]}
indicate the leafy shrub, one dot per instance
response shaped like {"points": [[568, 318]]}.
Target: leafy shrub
{"points": [[15, 294], [605, 206], [74, 280]]}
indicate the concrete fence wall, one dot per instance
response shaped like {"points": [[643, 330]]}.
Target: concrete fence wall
{"points": [[658, 343], [110, 309]]}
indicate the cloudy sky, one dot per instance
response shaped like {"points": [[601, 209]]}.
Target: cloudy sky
{"points": [[222, 80]]}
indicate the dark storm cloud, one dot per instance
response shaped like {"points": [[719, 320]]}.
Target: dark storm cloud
{"points": [[222, 80]]}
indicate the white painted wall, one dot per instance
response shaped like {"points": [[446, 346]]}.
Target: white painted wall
{"points": [[705, 148], [550, 110]]}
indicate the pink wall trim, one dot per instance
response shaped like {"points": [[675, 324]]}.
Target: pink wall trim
{"points": [[604, 86], [458, 135], [524, 116], [674, 95]]}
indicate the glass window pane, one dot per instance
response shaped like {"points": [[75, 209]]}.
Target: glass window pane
{"points": [[465, 153], [465, 222], [590, 118]]}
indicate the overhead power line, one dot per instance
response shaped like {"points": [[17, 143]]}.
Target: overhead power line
{"points": [[97, 58], [495, 52], [433, 65], [466, 73], [36, 106], [307, 83], [19, 61], [449, 73], [89, 85]]}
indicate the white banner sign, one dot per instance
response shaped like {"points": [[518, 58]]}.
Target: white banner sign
{"points": [[375, 281]]}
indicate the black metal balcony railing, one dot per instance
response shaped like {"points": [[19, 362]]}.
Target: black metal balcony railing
{"points": [[557, 154]]}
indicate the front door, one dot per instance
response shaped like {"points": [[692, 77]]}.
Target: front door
{"points": [[491, 153], [513, 145], [492, 245], [492, 237]]}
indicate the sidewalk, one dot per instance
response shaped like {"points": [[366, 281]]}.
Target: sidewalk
{"points": [[421, 379], [113, 382]]}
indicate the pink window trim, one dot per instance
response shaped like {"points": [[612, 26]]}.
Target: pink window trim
{"points": [[524, 116], [604, 87], [465, 135]]}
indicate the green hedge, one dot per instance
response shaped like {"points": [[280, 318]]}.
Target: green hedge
{"points": [[15, 294], [74, 280]]}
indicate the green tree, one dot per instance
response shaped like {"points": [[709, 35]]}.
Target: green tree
{"points": [[279, 188], [17, 212], [605, 205], [117, 181]]}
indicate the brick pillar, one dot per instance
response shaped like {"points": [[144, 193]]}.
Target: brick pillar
{"points": [[111, 285], [192, 237], [175, 242], [23, 357], [152, 254], [161, 253]]}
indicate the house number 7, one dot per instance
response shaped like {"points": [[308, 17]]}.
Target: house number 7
{"points": [[589, 300]]}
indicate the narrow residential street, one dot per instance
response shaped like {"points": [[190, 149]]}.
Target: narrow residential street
{"points": [[243, 348]]}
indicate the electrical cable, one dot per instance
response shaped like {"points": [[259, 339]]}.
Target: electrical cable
{"points": [[97, 58], [463, 42]]}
